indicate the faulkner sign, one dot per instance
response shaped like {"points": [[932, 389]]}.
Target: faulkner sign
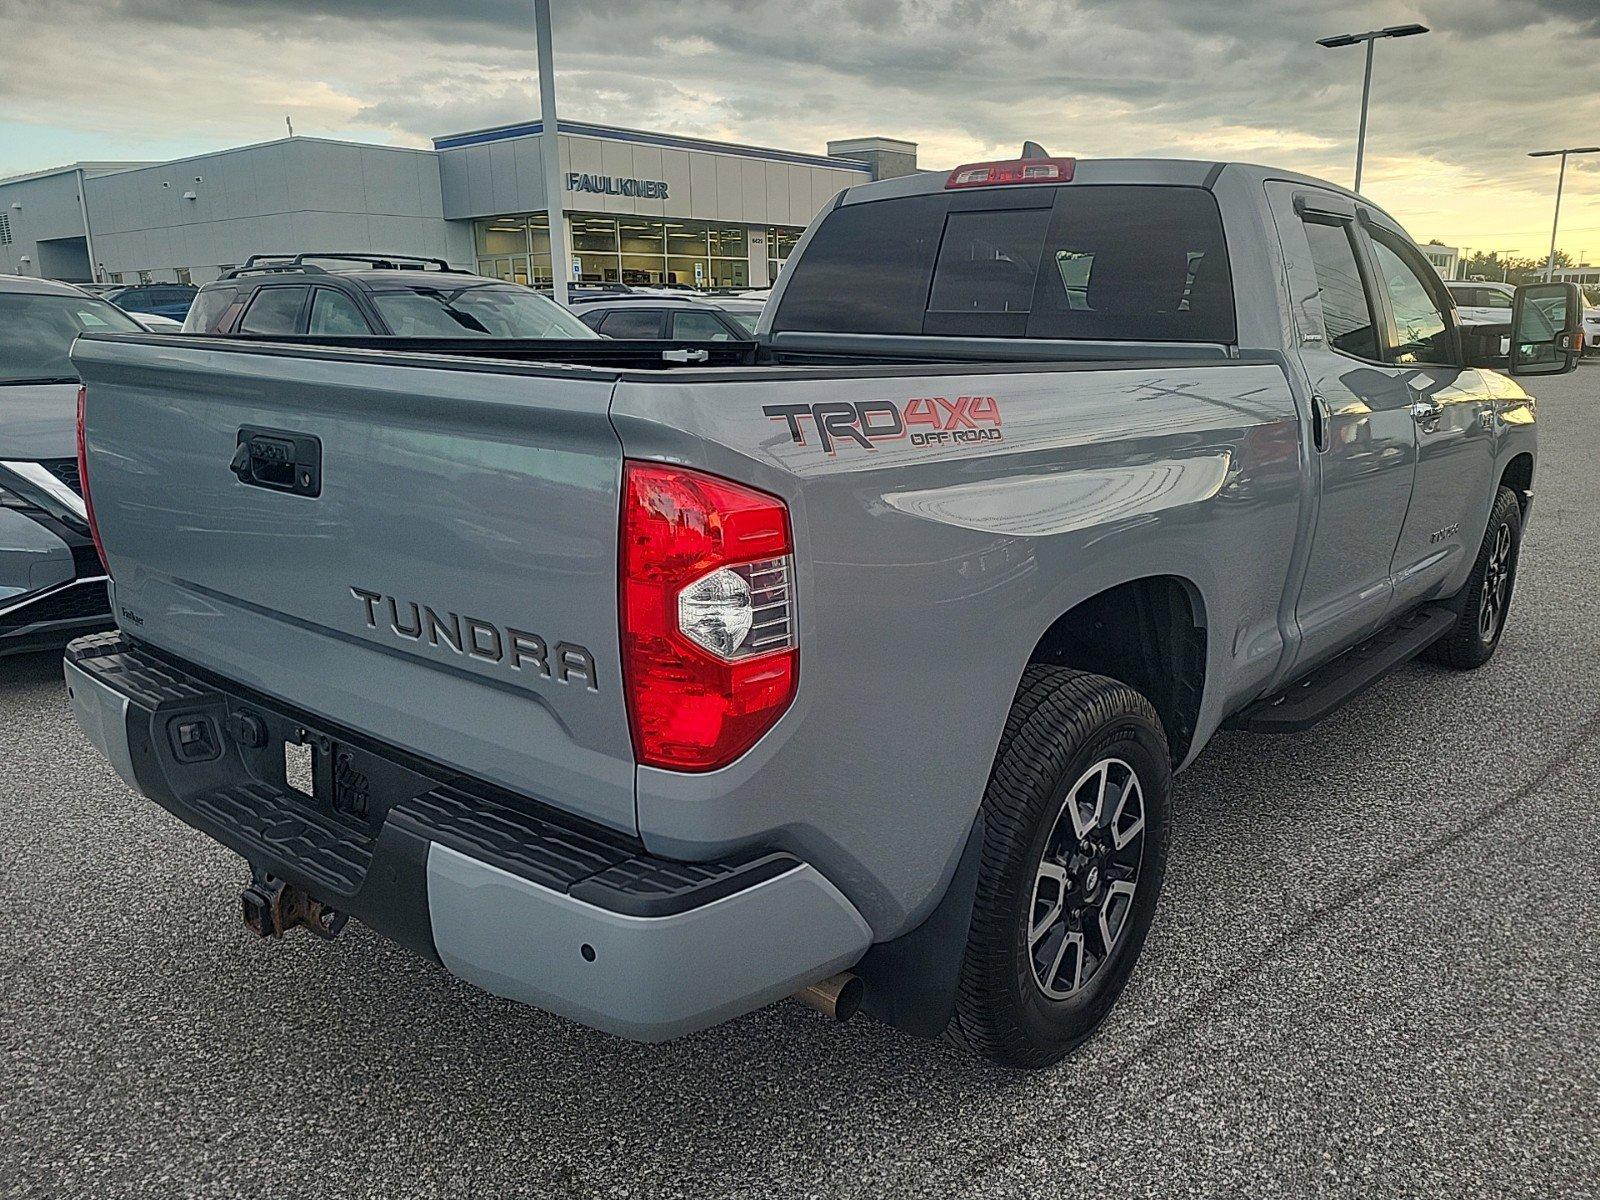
{"points": [[610, 185]]}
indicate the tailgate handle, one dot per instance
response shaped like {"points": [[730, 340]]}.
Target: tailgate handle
{"points": [[278, 460]]}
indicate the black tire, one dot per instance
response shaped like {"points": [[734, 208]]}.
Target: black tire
{"points": [[1062, 726], [1472, 640]]}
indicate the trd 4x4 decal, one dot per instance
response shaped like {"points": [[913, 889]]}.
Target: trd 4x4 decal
{"points": [[924, 421]]}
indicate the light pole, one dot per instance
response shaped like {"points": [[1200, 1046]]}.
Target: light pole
{"points": [[1370, 38], [1550, 266], [550, 153]]}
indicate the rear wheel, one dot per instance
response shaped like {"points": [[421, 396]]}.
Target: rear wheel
{"points": [[1075, 840], [1483, 604]]}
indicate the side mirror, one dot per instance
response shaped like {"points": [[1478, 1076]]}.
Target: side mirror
{"points": [[1546, 329]]}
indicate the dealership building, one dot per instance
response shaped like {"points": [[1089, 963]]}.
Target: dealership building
{"points": [[641, 208]]}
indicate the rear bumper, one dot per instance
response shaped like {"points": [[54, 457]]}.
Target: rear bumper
{"points": [[523, 901]]}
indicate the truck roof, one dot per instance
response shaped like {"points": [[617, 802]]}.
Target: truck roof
{"points": [[1169, 171]]}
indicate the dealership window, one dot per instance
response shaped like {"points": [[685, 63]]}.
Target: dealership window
{"points": [[781, 241], [183, 275], [515, 248], [638, 250]]}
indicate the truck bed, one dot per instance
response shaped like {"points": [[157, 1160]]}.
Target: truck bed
{"points": [[468, 520]]}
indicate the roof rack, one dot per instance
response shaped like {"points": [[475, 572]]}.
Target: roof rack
{"points": [[266, 263]]}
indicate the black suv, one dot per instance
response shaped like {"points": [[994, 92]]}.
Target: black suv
{"points": [[366, 295]]}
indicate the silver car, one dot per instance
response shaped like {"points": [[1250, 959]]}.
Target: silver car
{"points": [[52, 584]]}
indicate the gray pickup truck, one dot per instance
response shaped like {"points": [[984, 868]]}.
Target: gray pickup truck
{"points": [[650, 692]]}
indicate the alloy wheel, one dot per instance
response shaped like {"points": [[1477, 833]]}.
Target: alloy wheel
{"points": [[1496, 586], [1087, 876]]}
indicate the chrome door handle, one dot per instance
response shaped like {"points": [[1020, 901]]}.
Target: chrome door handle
{"points": [[1426, 412]]}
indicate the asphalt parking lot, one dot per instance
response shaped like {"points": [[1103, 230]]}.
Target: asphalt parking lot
{"points": [[1373, 973]]}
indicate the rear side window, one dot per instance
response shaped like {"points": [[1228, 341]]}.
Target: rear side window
{"points": [[1346, 312], [1100, 262], [632, 323], [333, 314], [699, 327], [207, 309], [274, 310]]}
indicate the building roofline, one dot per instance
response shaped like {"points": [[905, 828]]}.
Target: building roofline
{"points": [[617, 133], [91, 169], [861, 144], [283, 141]]}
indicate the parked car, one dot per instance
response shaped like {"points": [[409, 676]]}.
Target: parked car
{"points": [[674, 316], [52, 586], [160, 299], [365, 295], [155, 323], [1483, 301], [1489, 302], [859, 670]]}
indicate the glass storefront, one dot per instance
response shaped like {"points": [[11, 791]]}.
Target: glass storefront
{"points": [[642, 251], [515, 248], [781, 241]]}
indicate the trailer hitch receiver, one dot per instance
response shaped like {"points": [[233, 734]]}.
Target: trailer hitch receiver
{"points": [[272, 907]]}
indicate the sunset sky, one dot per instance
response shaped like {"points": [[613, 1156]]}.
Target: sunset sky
{"points": [[1454, 112]]}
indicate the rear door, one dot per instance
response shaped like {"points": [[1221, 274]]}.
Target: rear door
{"points": [[1452, 412], [445, 580], [1363, 432]]}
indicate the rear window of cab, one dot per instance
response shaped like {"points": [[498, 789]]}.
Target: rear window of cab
{"points": [[1104, 262]]}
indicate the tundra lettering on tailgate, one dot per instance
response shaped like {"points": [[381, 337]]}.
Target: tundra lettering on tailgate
{"points": [[473, 637], [923, 420]]}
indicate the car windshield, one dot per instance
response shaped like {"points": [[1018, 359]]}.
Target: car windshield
{"points": [[477, 311], [37, 330]]}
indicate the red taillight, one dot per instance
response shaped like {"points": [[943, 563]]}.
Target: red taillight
{"points": [[1020, 170], [709, 648], [83, 482]]}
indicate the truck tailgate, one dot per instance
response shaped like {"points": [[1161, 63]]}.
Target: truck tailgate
{"points": [[437, 571]]}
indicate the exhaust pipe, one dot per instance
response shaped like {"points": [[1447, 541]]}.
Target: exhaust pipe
{"points": [[837, 997]]}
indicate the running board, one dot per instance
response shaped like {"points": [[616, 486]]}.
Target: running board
{"points": [[1306, 701]]}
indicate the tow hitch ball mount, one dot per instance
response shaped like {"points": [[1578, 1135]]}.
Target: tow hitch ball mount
{"points": [[272, 908]]}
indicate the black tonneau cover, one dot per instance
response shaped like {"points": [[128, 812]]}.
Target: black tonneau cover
{"points": [[592, 352]]}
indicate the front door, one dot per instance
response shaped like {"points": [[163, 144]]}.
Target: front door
{"points": [[1453, 411], [1364, 436]]}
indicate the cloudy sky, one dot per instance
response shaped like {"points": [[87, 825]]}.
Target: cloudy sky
{"points": [[1453, 114]]}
